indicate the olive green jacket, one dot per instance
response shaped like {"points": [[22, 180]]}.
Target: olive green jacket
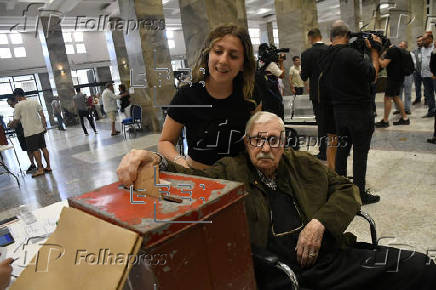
{"points": [[319, 191]]}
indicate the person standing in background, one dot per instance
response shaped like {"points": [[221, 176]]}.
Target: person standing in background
{"points": [[110, 105], [297, 84], [57, 112], [417, 59], [83, 110]]}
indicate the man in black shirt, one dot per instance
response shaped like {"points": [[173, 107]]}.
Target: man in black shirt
{"points": [[347, 76], [310, 59], [392, 60]]}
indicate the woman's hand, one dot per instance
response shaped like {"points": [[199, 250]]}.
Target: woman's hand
{"points": [[128, 167]]}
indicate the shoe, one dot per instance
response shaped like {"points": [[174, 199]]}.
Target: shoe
{"points": [[321, 157], [396, 112], [115, 134], [47, 170], [368, 198], [31, 168], [402, 122], [38, 173], [95, 132], [86, 134], [432, 140], [416, 102], [429, 115], [382, 124], [408, 112]]}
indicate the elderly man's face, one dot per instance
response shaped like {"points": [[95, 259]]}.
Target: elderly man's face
{"points": [[266, 156]]}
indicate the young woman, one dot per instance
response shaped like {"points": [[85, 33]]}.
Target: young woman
{"points": [[215, 109]]}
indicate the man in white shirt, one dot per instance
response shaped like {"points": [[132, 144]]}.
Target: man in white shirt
{"points": [[110, 105], [427, 75], [29, 113], [297, 84]]}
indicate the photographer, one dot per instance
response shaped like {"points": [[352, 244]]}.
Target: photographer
{"points": [[270, 67], [345, 81]]}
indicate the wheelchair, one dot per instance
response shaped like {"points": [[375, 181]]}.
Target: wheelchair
{"points": [[272, 274]]}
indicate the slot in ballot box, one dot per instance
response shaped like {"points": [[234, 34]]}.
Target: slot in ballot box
{"points": [[201, 243]]}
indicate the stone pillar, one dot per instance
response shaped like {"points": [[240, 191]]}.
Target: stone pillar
{"points": [[121, 57], [369, 14], [266, 33], [58, 65], [294, 20], [149, 58], [350, 13], [417, 26], [47, 93], [200, 16], [399, 18]]}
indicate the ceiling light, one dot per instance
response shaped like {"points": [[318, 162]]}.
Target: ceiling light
{"points": [[263, 10], [384, 5]]}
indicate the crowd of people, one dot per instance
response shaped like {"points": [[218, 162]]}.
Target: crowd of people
{"points": [[296, 207]]}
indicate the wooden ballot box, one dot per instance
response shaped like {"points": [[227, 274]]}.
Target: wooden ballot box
{"points": [[201, 243]]}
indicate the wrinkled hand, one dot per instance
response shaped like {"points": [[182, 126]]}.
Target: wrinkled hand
{"points": [[309, 243], [128, 167], [5, 273]]}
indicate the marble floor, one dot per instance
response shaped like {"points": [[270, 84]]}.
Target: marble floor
{"points": [[401, 169]]}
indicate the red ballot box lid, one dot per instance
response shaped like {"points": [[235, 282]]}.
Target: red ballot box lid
{"points": [[157, 219]]}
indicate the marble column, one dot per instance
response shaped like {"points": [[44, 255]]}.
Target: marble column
{"points": [[294, 20], [121, 57], [369, 14], [47, 93], [417, 27], [266, 33], [149, 59], [200, 16], [399, 18], [58, 66], [350, 13]]}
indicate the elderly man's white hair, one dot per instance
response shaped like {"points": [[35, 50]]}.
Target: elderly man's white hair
{"points": [[263, 117]]}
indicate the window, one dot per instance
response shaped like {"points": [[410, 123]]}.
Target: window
{"points": [[16, 38], [67, 37], [19, 52], [69, 48], [80, 48], [5, 52], [78, 36], [276, 36], [254, 35], [74, 42], [169, 34], [170, 37], [3, 39]]}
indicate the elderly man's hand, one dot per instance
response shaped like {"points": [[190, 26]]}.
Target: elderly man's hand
{"points": [[128, 168], [5, 273], [309, 243]]}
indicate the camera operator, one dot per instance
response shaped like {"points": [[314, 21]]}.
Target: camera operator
{"points": [[345, 81], [270, 67]]}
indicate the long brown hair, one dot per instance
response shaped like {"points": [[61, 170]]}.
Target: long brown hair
{"points": [[247, 75]]}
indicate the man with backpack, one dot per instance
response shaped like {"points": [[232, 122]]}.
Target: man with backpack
{"points": [[397, 65]]}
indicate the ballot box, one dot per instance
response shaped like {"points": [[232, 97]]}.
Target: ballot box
{"points": [[201, 243]]}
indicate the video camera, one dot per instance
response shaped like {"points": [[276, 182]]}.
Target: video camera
{"points": [[359, 42], [270, 53]]}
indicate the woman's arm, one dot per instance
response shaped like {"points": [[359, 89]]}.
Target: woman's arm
{"points": [[168, 140]]}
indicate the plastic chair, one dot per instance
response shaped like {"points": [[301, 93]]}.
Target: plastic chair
{"points": [[134, 122]]}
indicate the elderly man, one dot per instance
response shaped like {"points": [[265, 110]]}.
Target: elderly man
{"points": [[298, 209], [110, 105]]}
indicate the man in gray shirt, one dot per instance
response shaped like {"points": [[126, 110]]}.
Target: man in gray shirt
{"points": [[82, 109]]}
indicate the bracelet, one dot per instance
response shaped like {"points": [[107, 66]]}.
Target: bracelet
{"points": [[163, 163]]}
